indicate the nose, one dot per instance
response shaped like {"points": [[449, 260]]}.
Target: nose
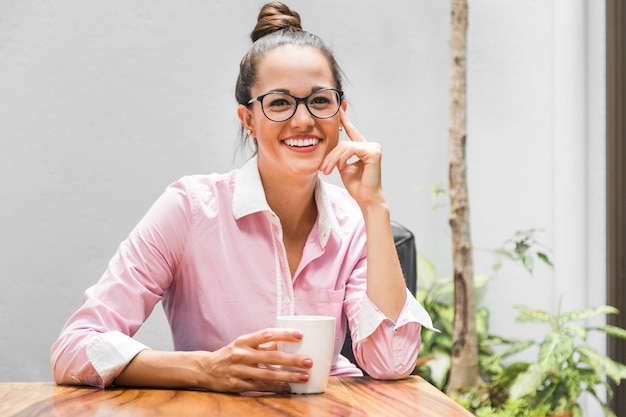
{"points": [[302, 117]]}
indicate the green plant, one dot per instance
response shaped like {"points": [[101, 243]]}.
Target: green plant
{"points": [[566, 365], [480, 404], [435, 294]]}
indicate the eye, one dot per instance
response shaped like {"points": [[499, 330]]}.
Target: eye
{"points": [[278, 102], [321, 100]]}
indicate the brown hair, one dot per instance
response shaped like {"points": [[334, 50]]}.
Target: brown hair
{"points": [[277, 25]]}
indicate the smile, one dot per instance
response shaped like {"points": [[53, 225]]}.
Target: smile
{"points": [[301, 143]]}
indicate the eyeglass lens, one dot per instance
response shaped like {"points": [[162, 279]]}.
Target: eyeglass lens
{"points": [[281, 106]]}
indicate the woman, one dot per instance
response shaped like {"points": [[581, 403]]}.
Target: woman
{"points": [[228, 253]]}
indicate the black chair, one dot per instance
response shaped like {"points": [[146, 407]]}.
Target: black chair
{"points": [[407, 253]]}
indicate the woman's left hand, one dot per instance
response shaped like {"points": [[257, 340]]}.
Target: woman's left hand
{"points": [[362, 177]]}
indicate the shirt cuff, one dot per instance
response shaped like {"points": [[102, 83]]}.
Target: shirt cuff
{"points": [[370, 317], [110, 352]]}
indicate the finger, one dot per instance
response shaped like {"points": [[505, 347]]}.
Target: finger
{"points": [[265, 336], [260, 377], [274, 358], [249, 385], [339, 157], [351, 131], [268, 346], [273, 376]]}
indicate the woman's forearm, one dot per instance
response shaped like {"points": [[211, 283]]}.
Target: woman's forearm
{"points": [[385, 282], [233, 368], [150, 368]]}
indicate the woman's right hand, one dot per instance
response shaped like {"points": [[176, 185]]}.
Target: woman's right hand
{"points": [[252, 363], [249, 363]]}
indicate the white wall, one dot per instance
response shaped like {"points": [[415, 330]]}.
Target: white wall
{"points": [[102, 104]]}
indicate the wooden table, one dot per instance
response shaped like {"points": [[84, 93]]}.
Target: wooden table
{"points": [[412, 397]]}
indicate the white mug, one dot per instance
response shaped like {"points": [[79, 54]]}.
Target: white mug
{"points": [[318, 343]]}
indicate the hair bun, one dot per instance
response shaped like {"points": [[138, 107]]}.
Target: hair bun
{"points": [[273, 17]]}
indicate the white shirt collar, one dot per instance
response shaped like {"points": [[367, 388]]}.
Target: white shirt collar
{"points": [[249, 197]]}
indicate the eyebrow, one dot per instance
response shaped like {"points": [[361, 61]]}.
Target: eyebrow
{"points": [[285, 90]]}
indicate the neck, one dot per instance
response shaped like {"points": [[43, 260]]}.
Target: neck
{"points": [[292, 201]]}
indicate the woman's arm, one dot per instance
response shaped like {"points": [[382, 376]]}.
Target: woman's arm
{"points": [[385, 282], [237, 367], [362, 178], [96, 342]]}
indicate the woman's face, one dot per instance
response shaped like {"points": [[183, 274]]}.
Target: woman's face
{"points": [[298, 145]]}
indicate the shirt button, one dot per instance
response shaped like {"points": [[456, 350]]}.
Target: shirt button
{"points": [[287, 300]]}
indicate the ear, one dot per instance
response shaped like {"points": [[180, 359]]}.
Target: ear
{"points": [[344, 104], [245, 116]]}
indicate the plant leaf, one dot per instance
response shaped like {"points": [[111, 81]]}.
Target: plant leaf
{"points": [[521, 247], [425, 271], [527, 382], [511, 372], [515, 349], [439, 368], [577, 412], [584, 313], [482, 321], [442, 286], [602, 364], [612, 331], [576, 330], [555, 349], [545, 258], [530, 315], [529, 262]]}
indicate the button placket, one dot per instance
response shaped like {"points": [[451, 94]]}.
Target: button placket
{"points": [[285, 303]]}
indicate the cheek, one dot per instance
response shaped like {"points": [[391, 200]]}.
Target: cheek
{"points": [[332, 144], [333, 139], [262, 127]]}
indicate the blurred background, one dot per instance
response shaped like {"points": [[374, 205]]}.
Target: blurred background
{"points": [[103, 104]]}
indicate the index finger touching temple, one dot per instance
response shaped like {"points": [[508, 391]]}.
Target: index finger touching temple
{"points": [[351, 131]]}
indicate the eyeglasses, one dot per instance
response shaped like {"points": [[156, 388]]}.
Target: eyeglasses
{"points": [[279, 106]]}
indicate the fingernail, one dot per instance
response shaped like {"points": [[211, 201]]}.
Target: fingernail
{"points": [[308, 363], [304, 377], [297, 334]]}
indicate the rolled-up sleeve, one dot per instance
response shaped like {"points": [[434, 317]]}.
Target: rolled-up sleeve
{"points": [[111, 352], [388, 349]]}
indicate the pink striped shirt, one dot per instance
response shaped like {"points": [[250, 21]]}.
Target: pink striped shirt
{"points": [[211, 249]]}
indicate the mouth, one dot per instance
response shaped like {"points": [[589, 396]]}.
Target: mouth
{"points": [[302, 143]]}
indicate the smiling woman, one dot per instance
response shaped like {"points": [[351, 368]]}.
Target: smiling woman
{"points": [[271, 237], [287, 76]]}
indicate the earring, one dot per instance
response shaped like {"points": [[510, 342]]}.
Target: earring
{"points": [[340, 128], [249, 132]]}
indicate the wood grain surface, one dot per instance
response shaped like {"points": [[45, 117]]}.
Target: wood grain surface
{"points": [[344, 397]]}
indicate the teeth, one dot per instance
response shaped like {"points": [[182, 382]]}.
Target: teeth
{"points": [[301, 142]]}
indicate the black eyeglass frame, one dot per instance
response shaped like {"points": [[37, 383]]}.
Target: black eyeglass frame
{"points": [[298, 101]]}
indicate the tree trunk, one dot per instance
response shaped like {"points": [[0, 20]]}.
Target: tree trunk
{"points": [[464, 372]]}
